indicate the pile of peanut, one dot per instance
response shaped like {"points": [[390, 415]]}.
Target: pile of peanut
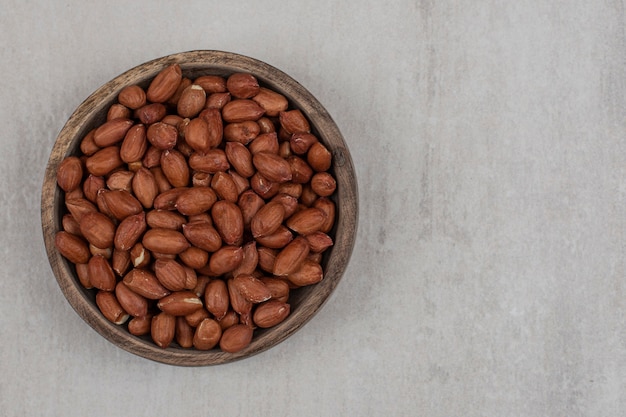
{"points": [[196, 208]]}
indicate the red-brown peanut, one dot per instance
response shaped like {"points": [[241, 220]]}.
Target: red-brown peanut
{"points": [[196, 208]]}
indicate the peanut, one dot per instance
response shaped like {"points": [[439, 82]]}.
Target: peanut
{"points": [[198, 210]]}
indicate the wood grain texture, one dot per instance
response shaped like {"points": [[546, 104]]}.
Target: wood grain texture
{"points": [[307, 302]]}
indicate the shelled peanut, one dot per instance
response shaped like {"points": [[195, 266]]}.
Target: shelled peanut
{"points": [[197, 208]]}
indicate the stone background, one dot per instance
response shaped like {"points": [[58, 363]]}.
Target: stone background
{"points": [[489, 274]]}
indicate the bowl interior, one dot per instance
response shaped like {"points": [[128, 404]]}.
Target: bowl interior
{"points": [[305, 301]]}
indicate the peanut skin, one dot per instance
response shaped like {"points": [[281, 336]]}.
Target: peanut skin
{"points": [[218, 194]]}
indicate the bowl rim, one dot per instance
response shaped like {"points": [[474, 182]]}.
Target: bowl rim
{"points": [[214, 62]]}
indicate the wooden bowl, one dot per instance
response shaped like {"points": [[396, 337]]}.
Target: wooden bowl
{"points": [[305, 302]]}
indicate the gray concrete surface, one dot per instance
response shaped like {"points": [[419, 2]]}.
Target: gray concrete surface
{"points": [[489, 274]]}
